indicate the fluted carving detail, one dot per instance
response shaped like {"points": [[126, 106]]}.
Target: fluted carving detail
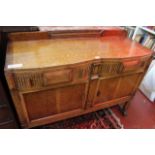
{"points": [[26, 81], [108, 68]]}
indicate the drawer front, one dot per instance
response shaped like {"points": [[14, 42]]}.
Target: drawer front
{"points": [[33, 80], [28, 80], [108, 68], [133, 65], [55, 77]]}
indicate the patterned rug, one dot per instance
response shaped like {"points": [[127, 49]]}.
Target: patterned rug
{"points": [[102, 119]]}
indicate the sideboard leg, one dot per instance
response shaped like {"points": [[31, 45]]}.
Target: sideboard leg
{"points": [[123, 108], [124, 112]]}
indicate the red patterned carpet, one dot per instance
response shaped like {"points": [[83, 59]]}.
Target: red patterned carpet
{"points": [[103, 119]]}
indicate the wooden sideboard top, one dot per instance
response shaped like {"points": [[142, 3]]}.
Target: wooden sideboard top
{"points": [[50, 52]]}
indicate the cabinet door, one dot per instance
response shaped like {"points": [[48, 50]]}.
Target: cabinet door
{"points": [[46, 103], [106, 90], [127, 85], [103, 90]]}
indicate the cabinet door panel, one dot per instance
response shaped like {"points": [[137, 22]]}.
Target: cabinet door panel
{"points": [[127, 85], [71, 98], [40, 104], [106, 90], [51, 102]]}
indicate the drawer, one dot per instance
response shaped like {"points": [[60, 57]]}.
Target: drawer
{"points": [[112, 68], [132, 65], [55, 77], [31, 80]]}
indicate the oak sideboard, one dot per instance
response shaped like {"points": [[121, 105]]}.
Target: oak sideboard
{"points": [[70, 71]]}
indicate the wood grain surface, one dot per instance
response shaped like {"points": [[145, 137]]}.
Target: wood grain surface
{"points": [[62, 73]]}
